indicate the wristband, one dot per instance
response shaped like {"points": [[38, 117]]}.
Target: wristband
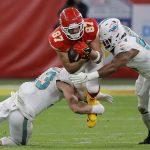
{"points": [[97, 59]]}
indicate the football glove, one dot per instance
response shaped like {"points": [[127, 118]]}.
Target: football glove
{"points": [[82, 49], [105, 97], [83, 77]]}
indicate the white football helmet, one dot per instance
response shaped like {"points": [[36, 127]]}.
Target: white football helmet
{"points": [[111, 33]]}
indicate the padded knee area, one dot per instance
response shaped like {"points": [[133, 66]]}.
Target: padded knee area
{"points": [[93, 86]]}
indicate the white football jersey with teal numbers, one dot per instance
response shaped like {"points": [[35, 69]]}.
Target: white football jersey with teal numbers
{"points": [[43, 92], [141, 62]]}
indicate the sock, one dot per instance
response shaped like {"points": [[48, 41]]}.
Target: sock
{"points": [[146, 120], [149, 133]]}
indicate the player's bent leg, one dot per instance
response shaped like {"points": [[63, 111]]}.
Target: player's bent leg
{"points": [[143, 91], [92, 118], [146, 119], [143, 101], [93, 86], [20, 128], [93, 89], [5, 108]]}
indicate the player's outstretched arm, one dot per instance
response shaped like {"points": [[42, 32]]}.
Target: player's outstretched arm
{"points": [[75, 105], [118, 61]]}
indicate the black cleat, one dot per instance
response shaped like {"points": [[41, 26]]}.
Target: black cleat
{"points": [[146, 141]]}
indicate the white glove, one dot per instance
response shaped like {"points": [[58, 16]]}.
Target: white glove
{"points": [[105, 97], [98, 109], [83, 77]]}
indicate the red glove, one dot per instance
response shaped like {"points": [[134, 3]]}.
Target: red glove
{"points": [[82, 49]]}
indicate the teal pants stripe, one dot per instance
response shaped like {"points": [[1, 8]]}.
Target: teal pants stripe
{"points": [[24, 134]]}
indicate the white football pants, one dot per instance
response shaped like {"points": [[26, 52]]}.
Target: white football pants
{"points": [[20, 127], [92, 86], [143, 92]]}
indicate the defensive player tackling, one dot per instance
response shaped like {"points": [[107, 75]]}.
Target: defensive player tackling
{"points": [[34, 97], [128, 50]]}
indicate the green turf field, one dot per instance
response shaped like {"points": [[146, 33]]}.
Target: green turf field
{"points": [[120, 128]]}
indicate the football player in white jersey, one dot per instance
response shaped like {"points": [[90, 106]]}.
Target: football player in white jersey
{"points": [[33, 97], [128, 50]]}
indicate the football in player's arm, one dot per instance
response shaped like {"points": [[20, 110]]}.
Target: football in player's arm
{"points": [[128, 50]]}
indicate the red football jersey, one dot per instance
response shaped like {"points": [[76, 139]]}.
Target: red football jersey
{"points": [[59, 41]]}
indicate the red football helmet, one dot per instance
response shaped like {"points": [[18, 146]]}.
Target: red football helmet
{"points": [[72, 23]]}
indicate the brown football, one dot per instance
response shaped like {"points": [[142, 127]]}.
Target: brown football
{"points": [[73, 56]]}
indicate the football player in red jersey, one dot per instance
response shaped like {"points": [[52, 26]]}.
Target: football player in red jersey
{"points": [[81, 35]]}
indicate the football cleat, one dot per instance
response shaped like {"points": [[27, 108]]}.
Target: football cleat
{"points": [[92, 118], [91, 123], [146, 141]]}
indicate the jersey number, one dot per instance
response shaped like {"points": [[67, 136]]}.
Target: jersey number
{"points": [[89, 27], [57, 36], [43, 81]]}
